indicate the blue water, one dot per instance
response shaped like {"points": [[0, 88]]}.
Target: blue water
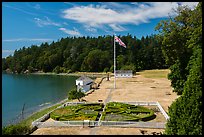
{"points": [[35, 91]]}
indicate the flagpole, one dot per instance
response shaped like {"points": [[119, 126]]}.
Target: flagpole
{"points": [[114, 63]]}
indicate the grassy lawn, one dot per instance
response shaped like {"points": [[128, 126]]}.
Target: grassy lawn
{"points": [[115, 111], [77, 112], [157, 73], [28, 121]]}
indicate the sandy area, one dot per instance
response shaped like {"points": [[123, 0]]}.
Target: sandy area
{"points": [[138, 88]]}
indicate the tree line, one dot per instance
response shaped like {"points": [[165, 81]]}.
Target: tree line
{"points": [[90, 54], [181, 38]]}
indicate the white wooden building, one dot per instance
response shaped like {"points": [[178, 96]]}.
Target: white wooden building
{"points": [[124, 74], [84, 83]]}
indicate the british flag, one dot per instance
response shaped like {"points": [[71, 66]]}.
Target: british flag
{"points": [[119, 41]]}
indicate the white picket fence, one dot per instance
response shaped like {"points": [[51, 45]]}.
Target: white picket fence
{"points": [[66, 123], [162, 111], [141, 103], [101, 123], [150, 104], [133, 124]]}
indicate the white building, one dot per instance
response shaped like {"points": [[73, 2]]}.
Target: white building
{"points": [[124, 74], [84, 83]]}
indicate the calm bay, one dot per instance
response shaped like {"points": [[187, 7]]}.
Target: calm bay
{"points": [[34, 92]]}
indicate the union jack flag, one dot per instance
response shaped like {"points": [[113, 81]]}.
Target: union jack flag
{"points": [[119, 41]]}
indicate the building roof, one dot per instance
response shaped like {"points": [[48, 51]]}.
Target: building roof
{"points": [[123, 71], [84, 78]]}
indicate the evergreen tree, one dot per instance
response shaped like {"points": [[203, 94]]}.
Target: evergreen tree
{"points": [[182, 39], [87, 54]]}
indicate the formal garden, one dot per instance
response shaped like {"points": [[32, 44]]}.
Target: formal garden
{"points": [[114, 111]]}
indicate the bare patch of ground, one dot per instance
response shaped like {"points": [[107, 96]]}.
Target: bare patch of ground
{"points": [[62, 131], [145, 86], [98, 131]]}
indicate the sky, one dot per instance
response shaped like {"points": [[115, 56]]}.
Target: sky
{"points": [[32, 23]]}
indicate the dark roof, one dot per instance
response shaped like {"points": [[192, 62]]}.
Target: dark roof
{"points": [[123, 71], [84, 78]]}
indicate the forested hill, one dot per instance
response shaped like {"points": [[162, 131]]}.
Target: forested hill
{"points": [[88, 54]]}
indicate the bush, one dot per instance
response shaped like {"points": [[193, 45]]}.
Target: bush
{"points": [[106, 70], [111, 69], [57, 70], [16, 130], [74, 94], [129, 67]]}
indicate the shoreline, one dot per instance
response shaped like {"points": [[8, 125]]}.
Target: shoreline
{"points": [[49, 106], [39, 110], [90, 74], [60, 102]]}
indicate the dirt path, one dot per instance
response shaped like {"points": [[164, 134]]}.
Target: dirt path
{"points": [[138, 88]]}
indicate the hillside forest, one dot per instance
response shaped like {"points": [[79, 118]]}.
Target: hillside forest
{"points": [[88, 54]]}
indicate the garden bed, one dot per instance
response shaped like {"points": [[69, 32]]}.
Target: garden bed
{"points": [[115, 111], [77, 112]]}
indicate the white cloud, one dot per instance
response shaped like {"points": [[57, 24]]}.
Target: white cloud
{"points": [[189, 4], [65, 23], [27, 39], [70, 3], [74, 32], [90, 15], [37, 6], [135, 3], [46, 22], [19, 9], [117, 27], [90, 29], [116, 13], [7, 51]]}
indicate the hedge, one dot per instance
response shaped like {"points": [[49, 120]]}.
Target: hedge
{"points": [[126, 110]]}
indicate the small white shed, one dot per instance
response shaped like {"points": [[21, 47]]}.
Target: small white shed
{"points": [[124, 74], [84, 83]]}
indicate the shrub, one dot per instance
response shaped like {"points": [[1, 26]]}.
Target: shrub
{"points": [[106, 70], [56, 70], [74, 94], [16, 130]]}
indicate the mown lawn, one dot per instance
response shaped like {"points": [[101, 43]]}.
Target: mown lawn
{"points": [[28, 121], [157, 73]]}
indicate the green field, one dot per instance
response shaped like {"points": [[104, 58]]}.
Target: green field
{"points": [[157, 73], [33, 117]]}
